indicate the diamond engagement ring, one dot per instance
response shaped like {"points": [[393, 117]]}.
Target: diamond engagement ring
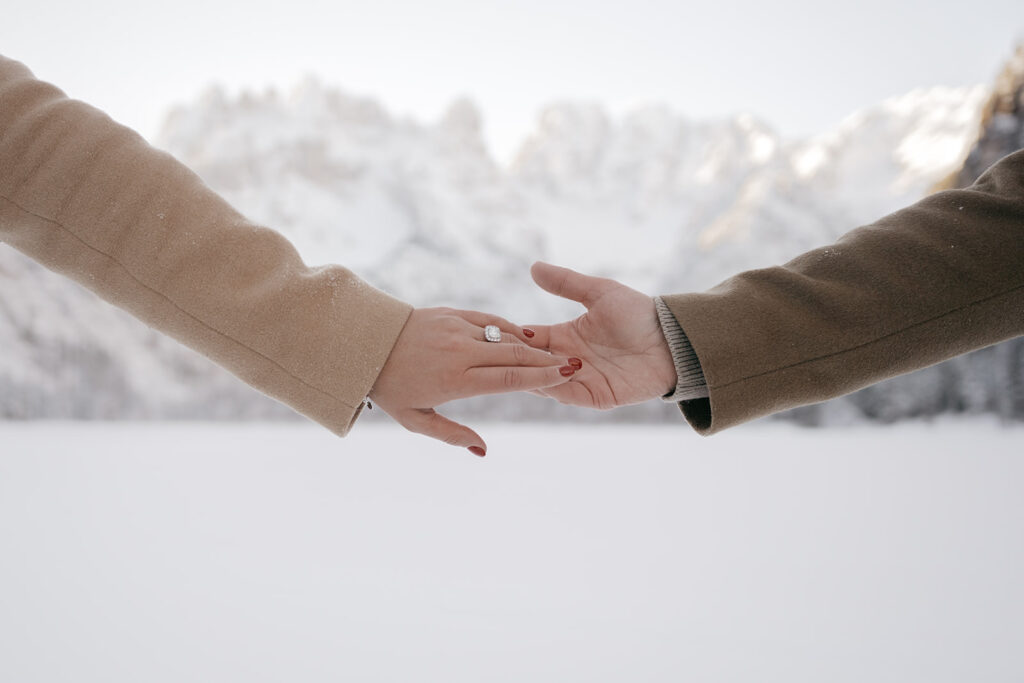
{"points": [[492, 333]]}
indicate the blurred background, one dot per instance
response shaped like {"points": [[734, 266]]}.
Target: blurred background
{"points": [[439, 150], [161, 521]]}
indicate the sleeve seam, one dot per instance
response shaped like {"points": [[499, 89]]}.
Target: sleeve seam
{"points": [[867, 343]]}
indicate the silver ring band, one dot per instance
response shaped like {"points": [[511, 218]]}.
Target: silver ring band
{"points": [[492, 333]]}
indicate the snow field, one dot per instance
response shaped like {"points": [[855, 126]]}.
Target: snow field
{"points": [[246, 552]]}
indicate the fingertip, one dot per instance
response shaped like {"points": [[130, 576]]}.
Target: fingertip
{"points": [[477, 450], [538, 337], [557, 375], [473, 440], [537, 268], [519, 334]]}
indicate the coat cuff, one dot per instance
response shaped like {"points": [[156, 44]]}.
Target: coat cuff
{"points": [[690, 382]]}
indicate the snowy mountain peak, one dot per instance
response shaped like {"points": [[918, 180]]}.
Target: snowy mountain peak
{"points": [[660, 201], [894, 148], [463, 119]]}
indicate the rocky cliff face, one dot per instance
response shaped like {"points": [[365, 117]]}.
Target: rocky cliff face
{"points": [[990, 380], [1002, 122]]}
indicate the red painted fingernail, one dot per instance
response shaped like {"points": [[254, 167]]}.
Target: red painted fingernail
{"points": [[566, 370], [576, 363], [528, 332], [476, 450]]}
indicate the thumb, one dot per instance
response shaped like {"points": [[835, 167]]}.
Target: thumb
{"points": [[430, 423], [568, 284]]}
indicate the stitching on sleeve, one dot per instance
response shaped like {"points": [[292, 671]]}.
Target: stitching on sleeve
{"points": [[868, 343]]}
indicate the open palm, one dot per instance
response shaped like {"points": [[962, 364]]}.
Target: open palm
{"points": [[619, 339]]}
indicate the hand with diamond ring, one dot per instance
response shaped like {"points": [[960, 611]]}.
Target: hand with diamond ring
{"points": [[443, 354]]}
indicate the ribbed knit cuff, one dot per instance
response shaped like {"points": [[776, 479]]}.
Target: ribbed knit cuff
{"points": [[690, 383]]}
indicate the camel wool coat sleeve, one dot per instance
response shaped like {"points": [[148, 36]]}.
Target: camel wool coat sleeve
{"points": [[89, 199], [932, 281]]}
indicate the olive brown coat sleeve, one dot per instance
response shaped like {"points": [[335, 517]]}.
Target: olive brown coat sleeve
{"points": [[932, 281], [89, 198]]}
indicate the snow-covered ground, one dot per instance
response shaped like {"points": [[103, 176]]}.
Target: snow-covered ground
{"points": [[205, 552]]}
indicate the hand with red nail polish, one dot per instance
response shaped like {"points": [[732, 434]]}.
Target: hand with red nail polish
{"points": [[616, 347], [441, 355]]}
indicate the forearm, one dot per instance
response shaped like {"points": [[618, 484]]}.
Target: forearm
{"points": [[90, 199], [924, 284]]}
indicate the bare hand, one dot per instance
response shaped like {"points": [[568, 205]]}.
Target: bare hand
{"points": [[625, 356], [441, 355]]}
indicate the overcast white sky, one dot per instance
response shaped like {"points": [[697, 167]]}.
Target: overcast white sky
{"points": [[799, 64]]}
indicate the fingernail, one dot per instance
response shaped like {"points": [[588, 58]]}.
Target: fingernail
{"points": [[528, 332], [566, 370], [576, 363], [476, 450]]}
